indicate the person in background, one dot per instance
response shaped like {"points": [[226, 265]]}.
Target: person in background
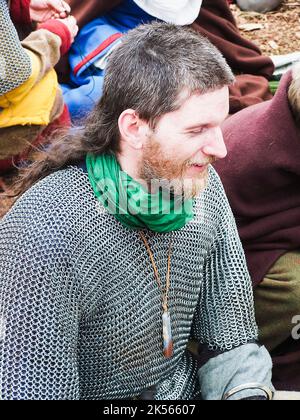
{"points": [[30, 110], [261, 176], [82, 85], [14, 59], [252, 69], [26, 14], [95, 42]]}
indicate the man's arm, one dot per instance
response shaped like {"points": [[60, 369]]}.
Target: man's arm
{"points": [[15, 65], [52, 40], [225, 321], [24, 12], [43, 48], [242, 373]]}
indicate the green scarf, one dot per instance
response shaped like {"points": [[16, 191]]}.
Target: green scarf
{"points": [[129, 201]]}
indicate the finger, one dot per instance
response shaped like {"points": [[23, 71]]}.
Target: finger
{"points": [[66, 6], [56, 5], [72, 19], [45, 16]]}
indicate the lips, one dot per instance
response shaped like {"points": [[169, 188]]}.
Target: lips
{"points": [[198, 167]]}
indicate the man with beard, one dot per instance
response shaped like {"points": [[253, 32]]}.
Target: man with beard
{"points": [[126, 248]]}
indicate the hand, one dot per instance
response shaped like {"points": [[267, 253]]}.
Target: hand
{"points": [[43, 10], [71, 24]]}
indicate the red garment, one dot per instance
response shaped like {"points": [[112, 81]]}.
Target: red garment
{"points": [[60, 29], [248, 90], [261, 176], [20, 15], [64, 120], [253, 70], [217, 22], [20, 12]]}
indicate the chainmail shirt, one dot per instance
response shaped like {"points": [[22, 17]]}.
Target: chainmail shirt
{"points": [[80, 314], [15, 65]]}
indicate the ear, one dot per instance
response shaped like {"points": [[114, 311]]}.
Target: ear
{"points": [[133, 130]]}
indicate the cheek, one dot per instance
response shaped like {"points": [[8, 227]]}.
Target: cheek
{"points": [[168, 134], [185, 150], [174, 145]]}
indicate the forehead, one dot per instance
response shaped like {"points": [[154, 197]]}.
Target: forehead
{"points": [[201, 109]]}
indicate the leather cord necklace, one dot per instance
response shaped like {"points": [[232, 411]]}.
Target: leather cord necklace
{"points": [[168, 346]]}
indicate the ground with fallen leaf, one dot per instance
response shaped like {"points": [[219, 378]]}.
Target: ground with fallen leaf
{"points": [[276, 32]]}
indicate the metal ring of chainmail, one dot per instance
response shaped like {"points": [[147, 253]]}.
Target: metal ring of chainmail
{"points": [[15, 64]]}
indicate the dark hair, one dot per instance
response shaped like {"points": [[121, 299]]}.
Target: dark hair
{"points": [[147, 72]]}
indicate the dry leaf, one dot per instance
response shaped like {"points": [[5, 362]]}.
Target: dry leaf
{"points": [[281, 26], [273, 45], [251, 26]]}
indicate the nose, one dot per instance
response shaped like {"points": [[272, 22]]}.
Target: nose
{"points": [[214, 144]]}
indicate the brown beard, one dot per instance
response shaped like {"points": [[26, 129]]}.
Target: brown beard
{"points": [[169, 173]]}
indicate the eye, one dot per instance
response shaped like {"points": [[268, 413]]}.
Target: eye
{"points": [[197, 132]]}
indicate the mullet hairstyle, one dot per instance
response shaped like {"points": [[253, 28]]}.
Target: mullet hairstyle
{"points": [[148, 72]]}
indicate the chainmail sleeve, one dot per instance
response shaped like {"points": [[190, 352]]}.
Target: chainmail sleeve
{"points": [[15, 65], [39, 313], [225, 317]]}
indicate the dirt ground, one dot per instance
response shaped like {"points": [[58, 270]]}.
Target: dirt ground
{"points": [[276, 32]]}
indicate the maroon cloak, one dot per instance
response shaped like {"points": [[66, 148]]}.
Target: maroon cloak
{"points": [[261, 176], [253, 70]]}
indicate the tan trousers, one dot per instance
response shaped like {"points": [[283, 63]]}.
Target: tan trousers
{"points": [[277, 300]]}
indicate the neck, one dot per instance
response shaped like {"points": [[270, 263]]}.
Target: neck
{"points": [[131, 165]]}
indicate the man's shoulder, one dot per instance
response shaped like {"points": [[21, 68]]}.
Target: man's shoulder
{"points": [[212, 204], [214, 191], [63, 195], [61, 185]]}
